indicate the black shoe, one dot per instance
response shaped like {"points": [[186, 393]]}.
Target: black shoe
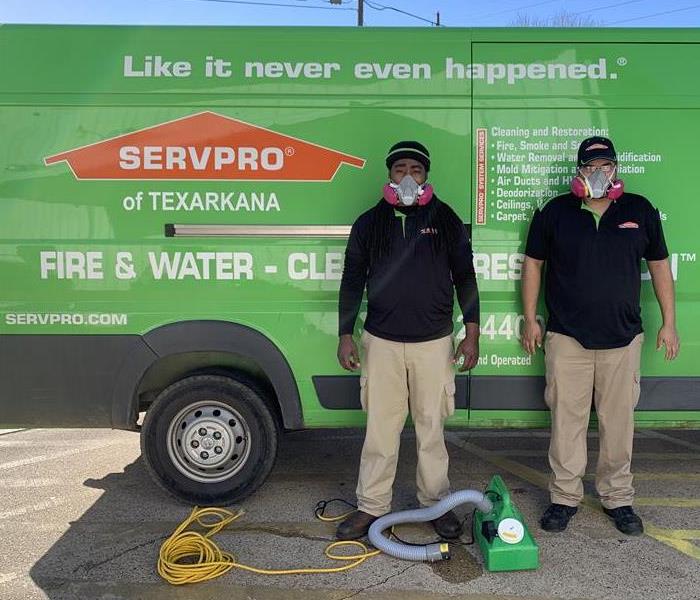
{"points": [[625, 519], [355, 526], [448, 526], [557, 517]]}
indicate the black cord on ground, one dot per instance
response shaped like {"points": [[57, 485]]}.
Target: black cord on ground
{"points": [[321, 505], [443, 540]]}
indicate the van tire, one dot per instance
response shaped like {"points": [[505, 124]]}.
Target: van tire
{"points": [[209, 440]]}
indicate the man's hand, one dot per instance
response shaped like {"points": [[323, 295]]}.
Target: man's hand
{"points": [[662, 278], [668, 336], [348, 357], [468, 348], [531, 335]]}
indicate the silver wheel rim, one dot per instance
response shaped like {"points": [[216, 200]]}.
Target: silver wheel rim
{"points": [[208, 441]]}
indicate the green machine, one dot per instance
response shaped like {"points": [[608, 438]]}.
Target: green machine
{"points": [[499, 529], [505, 541]]}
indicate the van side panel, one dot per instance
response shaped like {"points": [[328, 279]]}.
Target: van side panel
{"points": [[64, 380], [159, 176]]}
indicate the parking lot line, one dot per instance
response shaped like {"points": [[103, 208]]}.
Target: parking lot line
{"points": [[638, 455], [515, 433], [658, 476], [535, 477], [63, 454], [669, 438], [671, 502], [52, 502], [680, 534], [32, 482], [675, 539]]}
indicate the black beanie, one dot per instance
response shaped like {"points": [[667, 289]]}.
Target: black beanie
{"points": [[408, 149]]}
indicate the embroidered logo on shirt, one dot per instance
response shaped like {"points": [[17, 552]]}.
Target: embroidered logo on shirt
{"points": [[628, 225], [429, 231]]}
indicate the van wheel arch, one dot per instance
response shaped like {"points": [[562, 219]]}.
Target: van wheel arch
{"points": [[213, 338]]}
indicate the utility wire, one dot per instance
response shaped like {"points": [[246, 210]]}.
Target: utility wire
{"points": [[250, 2], [500, 12], [583, 12], [666, 12], [344, 2], [377, 6]]}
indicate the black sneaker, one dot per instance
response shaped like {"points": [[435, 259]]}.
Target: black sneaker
{"points": [[557, 517], [626, 520]]}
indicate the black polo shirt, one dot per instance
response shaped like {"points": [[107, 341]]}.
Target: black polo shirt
{"points": [[593, 266]]}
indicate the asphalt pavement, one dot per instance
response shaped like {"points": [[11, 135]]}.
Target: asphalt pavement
{"points": [[81, 519]]}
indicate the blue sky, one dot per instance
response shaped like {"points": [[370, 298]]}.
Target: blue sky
{"points": [[455, 13]]}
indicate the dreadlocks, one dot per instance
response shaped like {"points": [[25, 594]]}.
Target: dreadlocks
{"points": [[436, 214]]}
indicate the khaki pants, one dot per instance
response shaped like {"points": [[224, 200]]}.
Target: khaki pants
{"points": [[396, 377], [575, 375]]}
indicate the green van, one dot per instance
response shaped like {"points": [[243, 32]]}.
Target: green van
{"points": [[175, 201]]}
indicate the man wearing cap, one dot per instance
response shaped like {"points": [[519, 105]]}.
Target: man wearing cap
{"points": [[593, 240], [411, 252]]}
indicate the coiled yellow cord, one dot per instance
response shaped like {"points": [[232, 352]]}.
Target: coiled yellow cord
{"points": [[189, 556]]}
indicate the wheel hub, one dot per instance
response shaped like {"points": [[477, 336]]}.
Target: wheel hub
{"points": [[208, 441]]}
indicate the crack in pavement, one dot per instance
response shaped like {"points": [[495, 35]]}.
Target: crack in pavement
{"points": [[364, 589], [272, 530], [92, 565], [89, 566]]}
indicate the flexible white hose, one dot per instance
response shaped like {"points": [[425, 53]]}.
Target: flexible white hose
{"points": [[429, 552]]}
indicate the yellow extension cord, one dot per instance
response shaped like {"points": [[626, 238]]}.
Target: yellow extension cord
{"points": [[189, 556]]}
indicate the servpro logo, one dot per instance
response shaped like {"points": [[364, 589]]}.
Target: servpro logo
{"points": [[205, 146]]}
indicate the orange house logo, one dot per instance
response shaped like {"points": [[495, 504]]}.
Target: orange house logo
{"points": [[205, 146]]}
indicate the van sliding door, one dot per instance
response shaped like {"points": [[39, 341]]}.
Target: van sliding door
{"points": [[534, 100]]}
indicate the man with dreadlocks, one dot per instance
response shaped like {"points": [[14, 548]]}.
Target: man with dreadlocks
{"points": [[411, 251]]}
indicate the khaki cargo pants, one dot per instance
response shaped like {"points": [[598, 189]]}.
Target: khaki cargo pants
{"points": [[398, 377], [574, 375]]}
